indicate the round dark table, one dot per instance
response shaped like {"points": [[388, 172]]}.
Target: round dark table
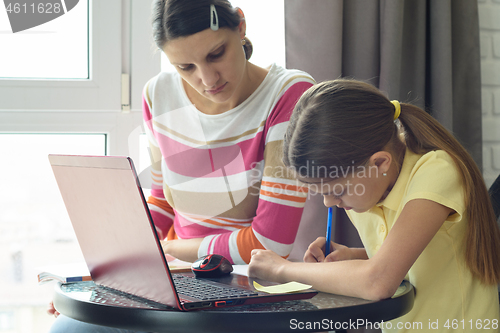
{"points": [[90, 303]]}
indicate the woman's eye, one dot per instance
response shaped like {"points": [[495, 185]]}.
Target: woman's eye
{"points": [[185, 67], [216, 55]]}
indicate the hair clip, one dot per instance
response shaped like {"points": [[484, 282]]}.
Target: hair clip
{"points": [[214, 19]]}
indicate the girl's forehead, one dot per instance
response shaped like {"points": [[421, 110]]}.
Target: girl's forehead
{"points": [[321, 183], [336, 186], [317, 181], [332, 188]]}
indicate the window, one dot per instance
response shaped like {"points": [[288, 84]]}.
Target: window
{"points": [[34, 227], [265, 29], [57, 49], [100, 91], [55, 113]]}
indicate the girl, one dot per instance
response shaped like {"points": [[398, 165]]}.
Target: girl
{"points": [[414, 194]]}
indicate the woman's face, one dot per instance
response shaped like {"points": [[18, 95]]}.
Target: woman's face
{"points": [[211, 62]]}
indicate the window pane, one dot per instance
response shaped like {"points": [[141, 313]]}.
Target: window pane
{"points": [[57, 49], [265, 29], [268, 38], [35, 229]]}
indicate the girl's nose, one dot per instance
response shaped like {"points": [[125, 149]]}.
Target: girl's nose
{"points": [[331, 201]]}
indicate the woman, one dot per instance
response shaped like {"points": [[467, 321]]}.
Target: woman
{"points": [[215, 129]]}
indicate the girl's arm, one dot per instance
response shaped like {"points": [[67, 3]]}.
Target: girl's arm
{"points": [[375, 278]]}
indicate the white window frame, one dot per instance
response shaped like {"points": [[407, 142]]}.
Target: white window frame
{"points": [[121, 43]]}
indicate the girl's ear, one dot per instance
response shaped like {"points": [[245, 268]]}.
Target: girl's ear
{"points": [[382, 160]]}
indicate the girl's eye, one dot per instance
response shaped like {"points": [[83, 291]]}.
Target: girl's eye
{"points": [[338, 195]]}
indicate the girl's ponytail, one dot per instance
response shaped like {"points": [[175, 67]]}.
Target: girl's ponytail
{"points": [[422, 134]]}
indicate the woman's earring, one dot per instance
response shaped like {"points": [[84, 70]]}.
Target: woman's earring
{"points": [[384, 174], [243, 42]]}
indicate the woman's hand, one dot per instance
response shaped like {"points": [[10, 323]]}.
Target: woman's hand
{"points": [[183, 249], [267, 265], [316, 252], [51, 310]]}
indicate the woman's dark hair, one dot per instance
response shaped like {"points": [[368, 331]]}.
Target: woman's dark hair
{"points": [[172, 19], [341, 123]]}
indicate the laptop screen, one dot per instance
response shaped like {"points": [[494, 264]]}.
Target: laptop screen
{"points": [[115, 233]]}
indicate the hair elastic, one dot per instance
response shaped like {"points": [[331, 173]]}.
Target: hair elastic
{"points": [[214, 19], [397, 108]]}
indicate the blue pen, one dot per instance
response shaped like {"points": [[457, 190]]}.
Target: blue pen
{"points": [[328, 231]]}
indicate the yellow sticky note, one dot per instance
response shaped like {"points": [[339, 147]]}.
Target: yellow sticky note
{"points": [[289, 287]]}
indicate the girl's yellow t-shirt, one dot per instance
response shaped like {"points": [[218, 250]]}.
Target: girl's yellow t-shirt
{"points": [[448, 298]]}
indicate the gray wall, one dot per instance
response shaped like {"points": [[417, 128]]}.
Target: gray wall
{"points": [[489, 21]]}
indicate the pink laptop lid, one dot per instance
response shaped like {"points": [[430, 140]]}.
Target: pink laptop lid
{"points": [[115, 232]]}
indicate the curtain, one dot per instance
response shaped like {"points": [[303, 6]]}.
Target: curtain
{"points": [[424, 52]]}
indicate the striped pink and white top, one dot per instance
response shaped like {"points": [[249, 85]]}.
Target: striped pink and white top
{"points": [[220, 177]]}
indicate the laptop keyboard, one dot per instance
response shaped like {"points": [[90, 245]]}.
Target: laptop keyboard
{"points": [[192, 287]]}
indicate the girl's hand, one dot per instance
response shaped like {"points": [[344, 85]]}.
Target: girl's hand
{"points": [[316, 252], [339, 252], [266, 265]]}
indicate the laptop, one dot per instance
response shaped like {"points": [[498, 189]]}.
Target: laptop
{"points": [[121, 248]]}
